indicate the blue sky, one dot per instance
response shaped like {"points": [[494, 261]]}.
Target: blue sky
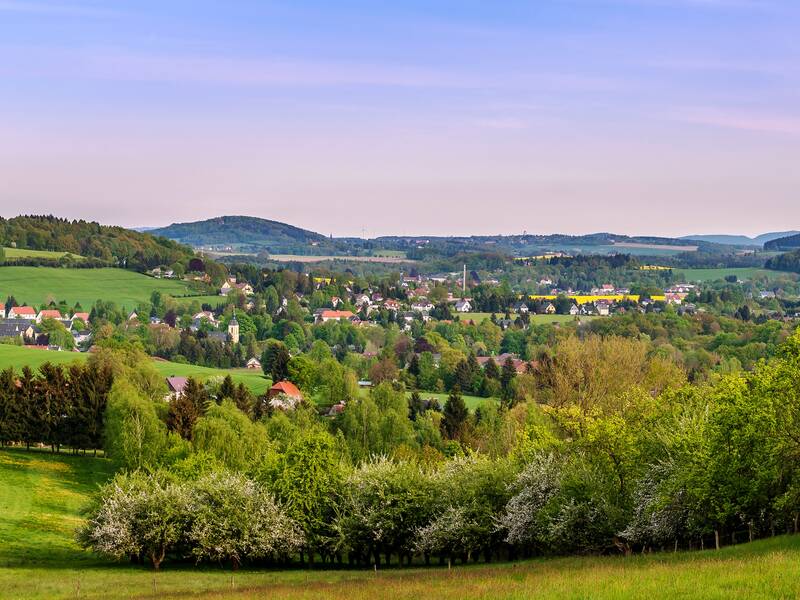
{"points": [[635, 116]]}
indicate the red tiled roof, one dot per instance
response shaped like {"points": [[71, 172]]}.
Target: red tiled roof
{"points": [[50, 314], [336, 314], [24, 310], [83, 316], [285, 387]]}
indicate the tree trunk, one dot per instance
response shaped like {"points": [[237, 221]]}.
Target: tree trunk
{"points": [[716, 538], [750, 530]]}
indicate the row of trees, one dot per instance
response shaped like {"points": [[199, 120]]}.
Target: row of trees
{"points": [[623, 456]]}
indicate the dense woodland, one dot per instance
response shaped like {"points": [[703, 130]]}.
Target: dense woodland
{"points": [[108, 245]]}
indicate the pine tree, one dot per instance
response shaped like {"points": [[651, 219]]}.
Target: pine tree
{"points": [[454, 414], [507, 380]]}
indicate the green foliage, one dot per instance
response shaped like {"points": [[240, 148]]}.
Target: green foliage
{"points": [[230, 436]]}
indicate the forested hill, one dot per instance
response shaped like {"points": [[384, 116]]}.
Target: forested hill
{"points": [[111, 245], [790, 261], [785, 243], [239, 232], [739, 240]]}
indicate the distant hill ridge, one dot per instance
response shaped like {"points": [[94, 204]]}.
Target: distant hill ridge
{"points": [[739, 240], [790, 242], [238, 231]]}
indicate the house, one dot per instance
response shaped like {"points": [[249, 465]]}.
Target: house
{"points": [[674, 297], [336, 301], [245, 288], [574, 310], [766, 295], [334, 315], [175, 386], [2, 311], [205, 314], [254, 363], [520, 307], [81, 337], [48, 314], [393, 305], [83, 316], [463, 306], [602, 307], [225, 289], [22, 312], [361, 300], [16, 328], [424, 306], [550, 309], [284, 395], [133, 316]]}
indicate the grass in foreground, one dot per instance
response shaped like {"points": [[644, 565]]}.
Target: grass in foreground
{"points": [[37, 285], [18, 356], [40, 497]]}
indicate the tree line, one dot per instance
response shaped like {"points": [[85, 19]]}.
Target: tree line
{"points": [[619, 455]]}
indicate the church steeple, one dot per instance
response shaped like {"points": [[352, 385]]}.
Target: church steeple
{"points": [[233, 329]]}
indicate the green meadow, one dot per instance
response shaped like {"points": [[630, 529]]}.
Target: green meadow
{"points": [[41, 496], [18, 356], [38, 285], [743, 274], [478, 317], [12, 253]]}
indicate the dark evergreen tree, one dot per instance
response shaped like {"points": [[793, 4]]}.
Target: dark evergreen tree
{"points": [[454, 415]]}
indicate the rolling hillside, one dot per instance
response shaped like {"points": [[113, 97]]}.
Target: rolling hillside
{"points": [[242, 233], [38, 285]]}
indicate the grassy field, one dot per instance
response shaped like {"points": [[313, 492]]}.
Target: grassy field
{"points": [[212, 300], [472, 402], [12, 253], [41, 496], [17, 357], [535, 319], [744, 274], [37, 285]]}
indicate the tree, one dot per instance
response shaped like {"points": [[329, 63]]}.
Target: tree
{"points": [[454, 415], [135, 436], [235, 519], [280, 365], [507, 379], [137, 515]]}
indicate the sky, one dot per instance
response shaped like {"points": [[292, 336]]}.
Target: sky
{"points": [[651, 117]]}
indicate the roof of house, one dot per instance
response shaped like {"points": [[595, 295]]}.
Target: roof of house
{"points": [[83, 316], [8, 329], [336, 314], [50, 314], [24, 310], [176, 384], [286, 387]]}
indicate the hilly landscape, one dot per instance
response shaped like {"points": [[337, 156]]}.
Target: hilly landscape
{"points": [[739, 240], [244, 234]]}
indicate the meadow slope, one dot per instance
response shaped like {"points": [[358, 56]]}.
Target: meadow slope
{"points": [[41, 495], [37, 285], [18, 356]]}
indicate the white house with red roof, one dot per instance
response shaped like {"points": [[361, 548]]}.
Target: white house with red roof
{"points": [[334, 315], [22, 312], [48, 314], [83, 316]]}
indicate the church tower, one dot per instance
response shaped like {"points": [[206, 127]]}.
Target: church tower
{"points": [[233, 329]]}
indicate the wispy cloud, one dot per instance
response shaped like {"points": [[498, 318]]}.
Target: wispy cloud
{"points": [[740, 120], [264, 72], [55, 9]]}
